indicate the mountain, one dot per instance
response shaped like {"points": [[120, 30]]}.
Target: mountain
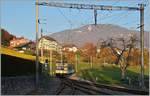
{"points": [[6, 37], [92, 33]]}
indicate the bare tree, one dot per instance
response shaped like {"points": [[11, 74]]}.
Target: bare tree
{"points": [[122, 48]]}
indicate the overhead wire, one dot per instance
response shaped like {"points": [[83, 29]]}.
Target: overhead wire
{"points": [[146, 2], [116, 16], [70, 23], [97, 27], [117, 1], [119, 16], [66, 18], [69, 39]]}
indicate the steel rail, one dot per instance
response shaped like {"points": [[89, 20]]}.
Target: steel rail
{"points": [[98, 88]]}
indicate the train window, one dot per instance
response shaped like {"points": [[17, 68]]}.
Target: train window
{"points": [[60, 68]]}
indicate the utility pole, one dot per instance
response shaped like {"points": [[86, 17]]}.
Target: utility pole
{"points": [[37, 52], [46, 1], [142, 42], [76, 55], [91, 61], [42, 55], [41, 32], [42, 46], [95, 16], [61, 57], [51, 69]]}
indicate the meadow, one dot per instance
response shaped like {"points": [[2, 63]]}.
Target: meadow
{"points": [[110, 74]]}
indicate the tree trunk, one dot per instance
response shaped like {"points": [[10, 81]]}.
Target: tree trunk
{"points": [[91, 61], [123, 68], [123, 74]]}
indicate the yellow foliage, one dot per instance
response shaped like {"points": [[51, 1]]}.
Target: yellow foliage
{"points": [[16, 54]]}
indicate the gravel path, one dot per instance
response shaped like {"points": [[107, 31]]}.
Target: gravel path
{"points": [[25, 85], [17, 85], [22, 85]]}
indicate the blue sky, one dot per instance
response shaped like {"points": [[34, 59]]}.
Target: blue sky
{"points": [[18, 16]]}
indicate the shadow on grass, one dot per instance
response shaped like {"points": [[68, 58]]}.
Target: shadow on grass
{"points": [[111, 75]]}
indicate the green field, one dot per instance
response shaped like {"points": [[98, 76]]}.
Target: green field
{"points": [[10, 52], [108, 74]]}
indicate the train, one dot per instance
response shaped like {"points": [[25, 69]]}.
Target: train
{"points": [[64, 68]]}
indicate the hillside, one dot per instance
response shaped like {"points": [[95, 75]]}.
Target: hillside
{"points": [[6, 37], [92, 33]]}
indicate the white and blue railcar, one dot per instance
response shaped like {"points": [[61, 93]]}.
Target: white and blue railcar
{"points": [[64, 68]]}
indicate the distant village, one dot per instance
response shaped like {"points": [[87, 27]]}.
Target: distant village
{"points": [[22, 44]]}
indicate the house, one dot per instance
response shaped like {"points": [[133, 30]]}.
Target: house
{"points": [[48, 43], [27, 46], [48, 47], [70, 48], [18, 41]]}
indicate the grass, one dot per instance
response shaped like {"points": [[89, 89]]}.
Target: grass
{"points": [[83, 66], [10, 52], [108, 74], [101, 74], [137, 69]]}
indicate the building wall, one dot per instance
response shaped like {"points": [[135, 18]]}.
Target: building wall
{"points": [[49, 45], [18, 41], [70, 49]]}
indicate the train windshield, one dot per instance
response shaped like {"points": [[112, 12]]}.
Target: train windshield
{"points": [[60, 68]]}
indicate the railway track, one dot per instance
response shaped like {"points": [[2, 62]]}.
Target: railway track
{"points": [[95, 89], [65, 83], [67, 86]]}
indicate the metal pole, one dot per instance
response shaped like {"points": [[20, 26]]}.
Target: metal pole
{"points": [[87, 6], [46, 1], [95, 16], [51, 69], [37, 52], [76, 62], [61, 57], [41, 32], [91, 61], [41, 53], [142, 42]]}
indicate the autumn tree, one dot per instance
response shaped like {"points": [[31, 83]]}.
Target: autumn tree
{"points": [[70, 56], [89, 51], [6, 37]]}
